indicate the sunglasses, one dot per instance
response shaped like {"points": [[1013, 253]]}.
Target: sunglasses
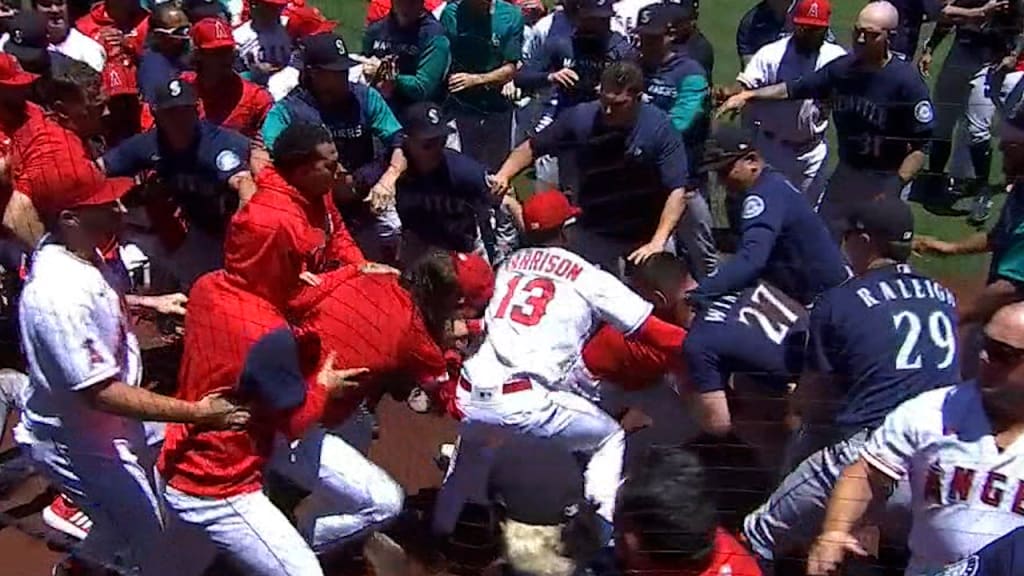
{"points": [[177, 32], [1001, 352]]}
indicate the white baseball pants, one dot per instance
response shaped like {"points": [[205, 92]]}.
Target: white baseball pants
{"points": [[115, 490], [804, 170], [349, 494], [578, 424]]}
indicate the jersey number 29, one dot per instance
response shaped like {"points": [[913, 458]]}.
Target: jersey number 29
{"points": [[940, 333], [531, 300]]}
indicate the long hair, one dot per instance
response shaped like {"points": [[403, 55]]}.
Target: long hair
{"points": [[434, 288]]}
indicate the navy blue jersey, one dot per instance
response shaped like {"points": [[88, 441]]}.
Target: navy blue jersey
{"points": [[625, 175], [1004, 556], [758, 331], [698, 48], [679, 87], [880, 115], [443, 207], [197, 177], [353, 125], [759, 27], [411, 46], [783, 241], [585, 55], [886, 336], [156, 70]]}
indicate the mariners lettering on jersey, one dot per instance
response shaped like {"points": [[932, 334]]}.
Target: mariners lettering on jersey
{"points": [[347, 132], [949, 485], [867, 110], [546, 262], [657, 88], [905, 289], [401, 48]]}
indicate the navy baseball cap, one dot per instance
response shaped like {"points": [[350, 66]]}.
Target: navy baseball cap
{"points": [[425, 121], [536, 482], [887, 218], [727, 144], [595, 9], [175, 93], [271, 372], [28, 40], [1001, 557], [326, 52], [654, 19]]}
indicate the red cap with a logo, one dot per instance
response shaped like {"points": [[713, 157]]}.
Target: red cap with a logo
{"points": [[85, 189], [307, 21], [814, 13], [475, 278], [212, 34], [548, 210], [12, 74], [119, 81]]}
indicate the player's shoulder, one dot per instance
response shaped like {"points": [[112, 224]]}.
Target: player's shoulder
{"points": [[430, 27], [829, 52], [905, 73], [60, 281], [944, 404], [773, 52], [463, 168]]}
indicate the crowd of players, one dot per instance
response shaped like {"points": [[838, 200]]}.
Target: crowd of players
{"points": [[323, 226]]}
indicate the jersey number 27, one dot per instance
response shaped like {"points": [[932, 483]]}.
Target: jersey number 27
{"points": [[770, 313], [526, 304]]}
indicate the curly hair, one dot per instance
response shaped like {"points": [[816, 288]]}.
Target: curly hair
{"points": [[432, 282], [75, 81], [296, 145]]}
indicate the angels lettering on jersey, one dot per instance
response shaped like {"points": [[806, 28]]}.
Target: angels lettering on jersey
{"points": [[949, 485]]}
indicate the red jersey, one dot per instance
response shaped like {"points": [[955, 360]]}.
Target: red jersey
{"points": [[225, 319], [369, 321], [240, 105], [730, 558], [631, 364], [97, 23], [379, 9]]}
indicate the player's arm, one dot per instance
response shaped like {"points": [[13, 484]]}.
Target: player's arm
{"points": [[688, 107], [431, 68], [815, 394], [614, 303], [704, 368], [22, 220], [672, 169], [511, 53], [955, 14], [115, 397], [977, 243], [759, 229], [992, 298], [920, 117]]}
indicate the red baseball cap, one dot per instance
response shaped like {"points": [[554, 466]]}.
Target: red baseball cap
{"points": [[91, 189], [814, 13], [475, 278], [12, 74], [306, 21], [272, 2], [212, 34], [119, 81], [548, 210]]}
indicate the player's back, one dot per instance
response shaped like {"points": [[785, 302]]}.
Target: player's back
{"points": [[890, 334], [547, 302], [757, 331]]}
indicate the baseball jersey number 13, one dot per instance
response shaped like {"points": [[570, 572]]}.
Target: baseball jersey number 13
{"points": [[531, 300], [940, 332]]}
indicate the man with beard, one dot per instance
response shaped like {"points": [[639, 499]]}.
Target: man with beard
{"points": [[957, 448], [65, 39], [882, 110], [165, 55], [791, 134]]}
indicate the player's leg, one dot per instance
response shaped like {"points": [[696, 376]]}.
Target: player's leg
{"points": [[952, 88], [583, 427], [252, 533], [980, 113], [351, 496], [792, 516], [815, 172], [695, 241], [466, 479]]}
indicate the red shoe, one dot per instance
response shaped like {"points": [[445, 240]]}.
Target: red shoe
{"points": [[63, 516]]}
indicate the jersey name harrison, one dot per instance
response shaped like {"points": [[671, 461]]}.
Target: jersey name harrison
{"points": [[546, 262], [996, 490], [905, 289]]}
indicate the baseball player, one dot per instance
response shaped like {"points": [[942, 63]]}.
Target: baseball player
{"points": [[82, 419], [791, 134], [264, 46], [764, 23], [120, 27], [783, 240], [416, 42], [913, 14], [882, 111], [547, 302], [986, 32], [957, 449], [874, 342], [1002, 557]]}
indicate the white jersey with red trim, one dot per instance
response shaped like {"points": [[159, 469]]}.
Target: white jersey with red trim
{"points": [[966, 492], [546, 304]]}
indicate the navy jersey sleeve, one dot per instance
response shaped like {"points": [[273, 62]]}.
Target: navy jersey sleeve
{"points": [[470, 176], [817, 85], [762, 220], [131, 156], [563, 130], [671, 155], [821, 340], [703, 363], [921, 116], [746, 40], [534, 73], [227, 153]]}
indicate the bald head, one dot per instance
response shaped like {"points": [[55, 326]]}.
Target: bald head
{"points": [[879, 16], [1007, 325]]}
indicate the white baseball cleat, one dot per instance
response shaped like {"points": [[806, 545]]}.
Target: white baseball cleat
{"points": [[63, 516]]}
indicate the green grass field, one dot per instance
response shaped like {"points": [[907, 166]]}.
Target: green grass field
{"points": [[718, 21]]}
